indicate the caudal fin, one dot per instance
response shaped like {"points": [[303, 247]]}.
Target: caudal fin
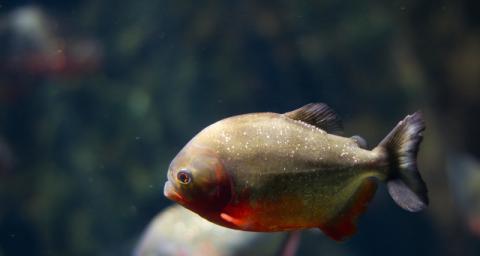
{"points": [[405, 185]]}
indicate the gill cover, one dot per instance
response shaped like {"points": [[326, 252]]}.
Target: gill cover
{"points": [[209, 189]]}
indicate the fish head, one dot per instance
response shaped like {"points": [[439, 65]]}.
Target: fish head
{"points": [[198, 181]]}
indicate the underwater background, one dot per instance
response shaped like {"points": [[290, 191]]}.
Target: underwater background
{"points": [[97, 97]]}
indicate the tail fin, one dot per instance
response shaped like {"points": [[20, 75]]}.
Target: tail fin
{"points": [[405, 185]]}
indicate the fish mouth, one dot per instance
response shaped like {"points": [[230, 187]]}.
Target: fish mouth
{"points": [[170, 192]]}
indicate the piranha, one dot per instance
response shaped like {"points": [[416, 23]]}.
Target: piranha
{"points": [[271, 172]]}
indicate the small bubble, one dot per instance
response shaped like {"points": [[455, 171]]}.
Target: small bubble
{"points": [[137, 138]]}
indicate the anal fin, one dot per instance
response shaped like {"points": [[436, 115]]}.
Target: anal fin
{"points": [[345, 225], [340, 231]]}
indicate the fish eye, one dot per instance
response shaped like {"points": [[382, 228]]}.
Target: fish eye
{"points": [[184, 177]]}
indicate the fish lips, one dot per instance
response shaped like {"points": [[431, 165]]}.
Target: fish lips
{"points": [[170, 192]]}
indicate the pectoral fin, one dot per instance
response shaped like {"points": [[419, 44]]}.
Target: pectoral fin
{"points": [[344, 225], [231, 219]]}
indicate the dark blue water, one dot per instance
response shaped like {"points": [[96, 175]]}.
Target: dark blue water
{"points": [[97, 97]]}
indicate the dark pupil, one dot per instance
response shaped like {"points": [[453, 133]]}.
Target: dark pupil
{"points": [[183, 177]]}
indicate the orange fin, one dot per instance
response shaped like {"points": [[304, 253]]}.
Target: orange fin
{"points": [[235, 221], [344, 225]]}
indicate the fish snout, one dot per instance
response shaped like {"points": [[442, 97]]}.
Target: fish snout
{"points": [[170, 192]]}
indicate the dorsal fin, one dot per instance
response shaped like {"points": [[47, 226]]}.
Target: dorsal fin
{"points": [[319, 115]]}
